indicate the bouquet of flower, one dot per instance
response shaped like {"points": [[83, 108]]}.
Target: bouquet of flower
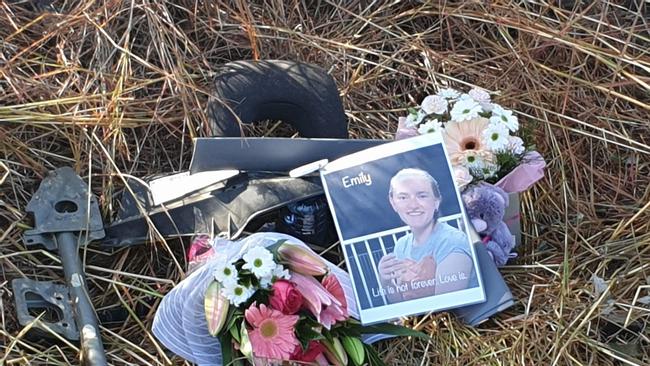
{"points": [[479, 138], [269, 301]]}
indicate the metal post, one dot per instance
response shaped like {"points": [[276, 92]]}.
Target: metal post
{"points": [[85, 317]]}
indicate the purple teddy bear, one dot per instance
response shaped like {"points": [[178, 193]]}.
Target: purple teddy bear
{"points": [[485, 205]]}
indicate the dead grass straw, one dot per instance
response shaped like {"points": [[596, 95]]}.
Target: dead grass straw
{"points": [[119, 87]]}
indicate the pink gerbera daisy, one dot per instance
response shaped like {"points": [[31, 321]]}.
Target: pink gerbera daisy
{"points": [[273, 333], [466, 135]]}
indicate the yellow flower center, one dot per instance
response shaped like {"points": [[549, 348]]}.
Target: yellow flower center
{"points": [[268, 329], [257, 262]]}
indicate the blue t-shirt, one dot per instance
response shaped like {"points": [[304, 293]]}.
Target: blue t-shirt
{"points": [[444, 240]]}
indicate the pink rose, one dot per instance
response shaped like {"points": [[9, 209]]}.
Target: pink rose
{"points": [[285, 298]]}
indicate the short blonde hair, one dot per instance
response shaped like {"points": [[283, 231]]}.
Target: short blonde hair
{"points": [[414, 173], [417, 173]]}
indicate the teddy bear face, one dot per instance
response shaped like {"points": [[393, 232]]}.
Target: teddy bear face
{"points": [[485, 208]]}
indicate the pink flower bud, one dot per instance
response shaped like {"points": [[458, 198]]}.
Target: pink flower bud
{"points": [[216, 308], [335, 352], [302, 260]]}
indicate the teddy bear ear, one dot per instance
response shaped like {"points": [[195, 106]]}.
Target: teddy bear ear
{"points": [[468, 196], [496, 189]]}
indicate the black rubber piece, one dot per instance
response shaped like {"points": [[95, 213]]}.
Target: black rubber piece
{"points": [[303, 95]]}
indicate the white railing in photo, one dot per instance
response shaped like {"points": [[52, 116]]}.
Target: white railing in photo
{"points": [[383, 237]]}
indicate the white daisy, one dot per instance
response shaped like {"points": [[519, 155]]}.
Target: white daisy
{"points": [[479, 95], [279, 272], [472, 159], [496, 137], [411, 120], [236, 293], [448, 93], [489, 170], [429, 127], [515, 145], [225, 272], [434, 104], [259, 261], [465, 96], [465, 109], [504, 116]]}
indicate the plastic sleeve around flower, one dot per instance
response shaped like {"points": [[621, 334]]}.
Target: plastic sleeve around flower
{"points": [[403, 131], [179, 323], [525, 175]]}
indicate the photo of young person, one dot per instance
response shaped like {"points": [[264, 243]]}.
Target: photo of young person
{"points": [[434, 257], [402, 229]]}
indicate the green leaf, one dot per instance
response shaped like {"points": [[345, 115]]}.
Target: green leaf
{"points": [[273, 248], [234, 333], [234, 315], [373, 356], [226, 348], [305, 333]]}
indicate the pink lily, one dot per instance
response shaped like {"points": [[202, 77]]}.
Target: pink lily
{"points": [[302, 260], [332, 284], [315, 295], [332, 314]]}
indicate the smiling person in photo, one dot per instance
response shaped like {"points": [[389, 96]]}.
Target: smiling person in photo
{"points": [[434, 258]]}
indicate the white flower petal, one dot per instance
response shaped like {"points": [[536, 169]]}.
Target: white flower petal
{"points": [[479, 95], [429, 127], [505, 117], [259, 261], [515, 145], [448, 93], [465, 109], [434, 104], [237, 293], [410, 120], [495, 137]]}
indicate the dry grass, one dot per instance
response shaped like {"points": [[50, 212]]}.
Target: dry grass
{"points": [[116, 87]]}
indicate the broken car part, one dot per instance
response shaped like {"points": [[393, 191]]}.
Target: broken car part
{"points": [[66, 217], [235, 203], [229, 207], [269, 154]]}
